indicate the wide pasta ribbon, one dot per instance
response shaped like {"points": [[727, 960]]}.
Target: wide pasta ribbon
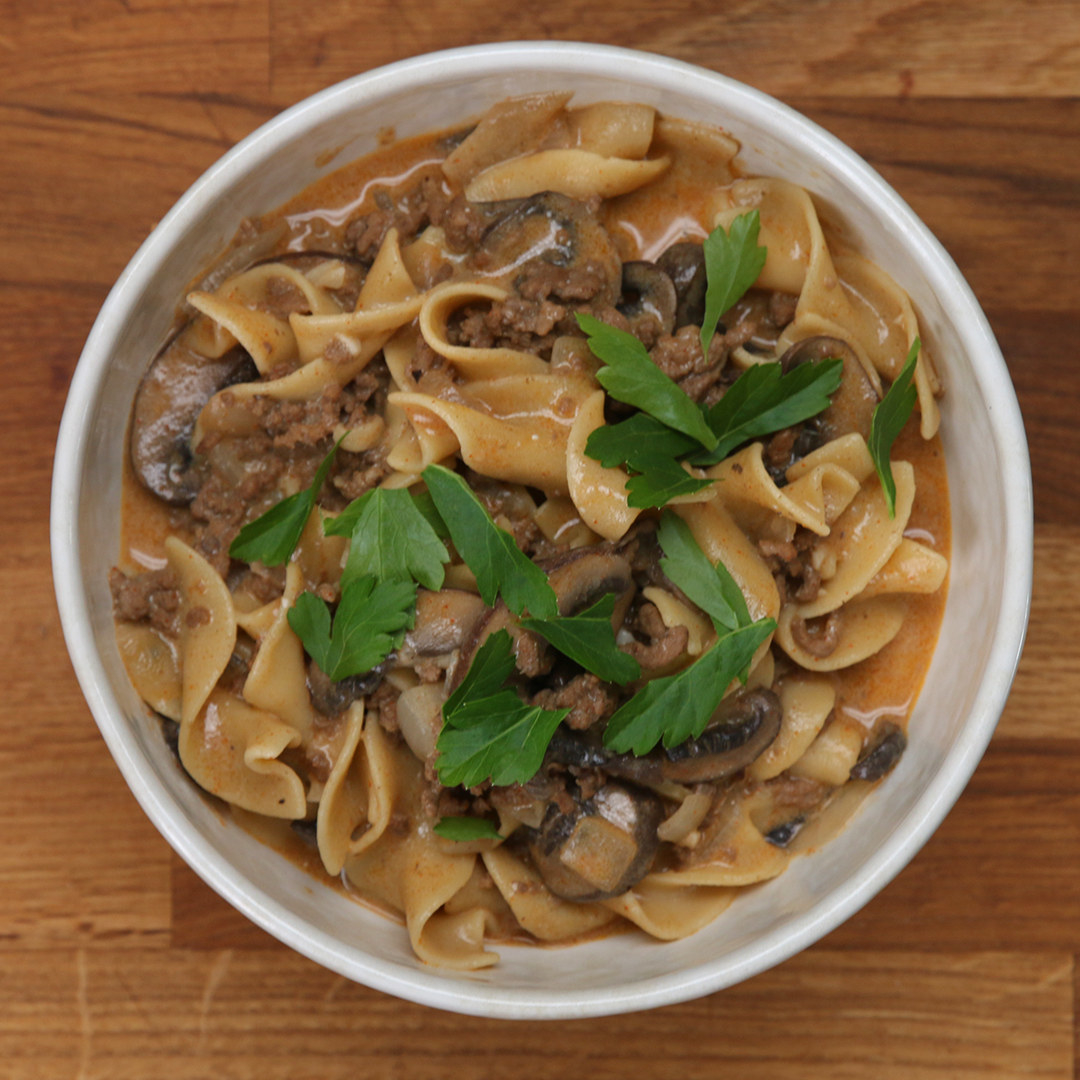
{"points": [[538, 911], [239, 308], [207, 626], [341, 345], [277, 680], [472, 362], [358, 798], [514, 428]]}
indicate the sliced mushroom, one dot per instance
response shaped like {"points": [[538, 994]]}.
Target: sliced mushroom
{"points": [[332, 698], [553, 229], [532, 655], [684, 264], [648, 297], [170, 397], [882, 755], [600, 847], [444, 622], [741, 729], [580, 577], [853, 404], [782, 835]]}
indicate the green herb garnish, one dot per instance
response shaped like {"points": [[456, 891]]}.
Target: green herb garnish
{"points": [[488, 732], [662, 482], [500, 566], [425, 505], [638, 442], [763, 400], [390, 538], [733, 261], [369, 623], [651, 451], [678, 707], [712, 588], [629, 375], [271, 538], [890, 416], [589, 640], [464, 829]]}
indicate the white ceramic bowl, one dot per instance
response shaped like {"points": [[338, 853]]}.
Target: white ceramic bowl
{"points": [[991, 511]]}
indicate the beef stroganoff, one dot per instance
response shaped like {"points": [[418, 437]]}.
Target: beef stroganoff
{"points": [[525, 527]]}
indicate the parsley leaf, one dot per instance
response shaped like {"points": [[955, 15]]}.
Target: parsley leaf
{"points": [[650, 449], [660, 482], [425, 505], [589, 640], [678, 707], [464, 829], [890, 416], [390, 538], [712, 588], [733, 261], [488, 735], [500, 566], [491, 667], [271, 538], [629, 375], [638, 442], [763, 400], [370, 622]]}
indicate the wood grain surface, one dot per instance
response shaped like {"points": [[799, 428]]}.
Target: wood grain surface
{"points": [[117, 962]]}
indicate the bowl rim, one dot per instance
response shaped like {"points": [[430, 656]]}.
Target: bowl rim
{"points": [[429, 986]]}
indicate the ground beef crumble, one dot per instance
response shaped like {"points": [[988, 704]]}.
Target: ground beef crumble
{"points": [[152, 597], [789, 563], [588, 699]]}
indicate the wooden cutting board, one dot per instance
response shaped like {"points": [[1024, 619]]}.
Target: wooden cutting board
{"points": [[115, 961]]}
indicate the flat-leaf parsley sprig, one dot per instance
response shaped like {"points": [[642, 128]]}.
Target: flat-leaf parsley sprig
{"points": [[672, 434], [272, 537], [488, 731], [500, 566], [761, 401], [393, 546], [890, 416], [369, 623], [679, 707], [502, 569], [588, 639], [390, 537], [733, 262]]}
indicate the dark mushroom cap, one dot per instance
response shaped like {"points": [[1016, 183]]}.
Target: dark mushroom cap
{"points": [[741, 729], [684, 264], [553, 228], [333, 698], [853, 404], [170, 398], [883, 754], [601, 847], [581, 576], [181, 381], [648, 295]]}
